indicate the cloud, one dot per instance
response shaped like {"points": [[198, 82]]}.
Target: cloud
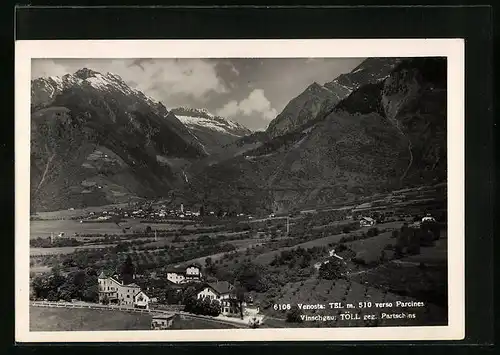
{"points": [[190, 77], [256, 102], [158, 78], [45, 68]]}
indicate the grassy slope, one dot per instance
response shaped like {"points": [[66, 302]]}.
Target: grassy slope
{"points": [[63, 319]]}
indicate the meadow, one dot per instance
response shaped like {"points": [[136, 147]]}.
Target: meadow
{"points": [[370, 249], [79, 319], [69, 227]]}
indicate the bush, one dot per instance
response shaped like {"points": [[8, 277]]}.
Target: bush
{"points": [[294, 315], [331, 271]]}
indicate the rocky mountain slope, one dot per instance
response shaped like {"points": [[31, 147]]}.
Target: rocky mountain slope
{"points": [[94, 141], [388, 133], [318, 100], [213, 132]]}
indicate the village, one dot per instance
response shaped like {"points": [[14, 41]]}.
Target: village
{"points": [[233, 269]]}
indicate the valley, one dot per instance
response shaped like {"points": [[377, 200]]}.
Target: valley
{"points": [[342, 199]]}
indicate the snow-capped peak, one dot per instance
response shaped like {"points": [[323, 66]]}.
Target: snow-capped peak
{"points": [[109, 82], [195, 118]]}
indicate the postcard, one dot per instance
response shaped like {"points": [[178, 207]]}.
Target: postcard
{"points": [[239, 190]]}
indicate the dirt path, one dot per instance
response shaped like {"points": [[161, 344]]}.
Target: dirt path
{"points": [[45, 172]]}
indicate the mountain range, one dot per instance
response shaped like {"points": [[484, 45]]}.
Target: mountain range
{"points": [[388, 132], [382, 126], [317, 100], [95, 140]]}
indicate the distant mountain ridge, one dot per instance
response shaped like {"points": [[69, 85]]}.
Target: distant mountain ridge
{"points": [[95, 140], [317, 100], [388, 133], [212, 131]]}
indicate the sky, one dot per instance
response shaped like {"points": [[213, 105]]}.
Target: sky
{"points": [[250, 91]]}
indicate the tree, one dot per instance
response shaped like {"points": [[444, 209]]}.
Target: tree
{"points": [[149, 229], [383, 256], [294, 315], [172, 296], [208, 262], [188, 294], [252, 277], [127, 270], [240, 297], [214, 309], [332, 270], [52, 295]]}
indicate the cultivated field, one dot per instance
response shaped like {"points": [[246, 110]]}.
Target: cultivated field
{"points": [[66, 250], [266, 258], [369, 249], [71, 227], [313, 291]]}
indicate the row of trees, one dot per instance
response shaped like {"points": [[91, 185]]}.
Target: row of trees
{"points": [[56, 242], [409, 240], [81, 284]]}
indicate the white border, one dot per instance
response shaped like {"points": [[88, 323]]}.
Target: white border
{"points": [[453, 49]]}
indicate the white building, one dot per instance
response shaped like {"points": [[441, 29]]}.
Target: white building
{"points": [[428, 218], [366, 222], [191, 273], [223, 292], [116, 292]]}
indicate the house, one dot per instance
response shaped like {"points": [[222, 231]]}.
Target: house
{"points": [[319, 264], [428, 219], [191, 273], [332, 253], [141, 300], [223, 292], [116, 292], [162, 321], [366, 222]]}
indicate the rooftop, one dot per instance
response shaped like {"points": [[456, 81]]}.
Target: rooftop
{"points": [[164, 316], [221, 287]]}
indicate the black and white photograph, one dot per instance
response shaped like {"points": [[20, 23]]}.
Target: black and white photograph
{"points": [[244, 195]]}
